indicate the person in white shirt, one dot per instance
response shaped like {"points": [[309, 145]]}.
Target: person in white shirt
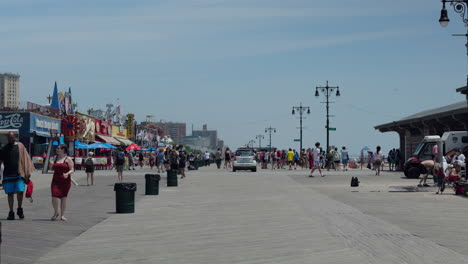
{"points": [[207, 158], [458, 158], [378, 161], [316, 154]]}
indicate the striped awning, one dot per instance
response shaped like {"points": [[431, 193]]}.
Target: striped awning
{"points": [[124, 141], [108, 139]]}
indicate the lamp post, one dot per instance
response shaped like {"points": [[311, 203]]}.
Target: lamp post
{"points": [[259, 137], [327, 90], [251, 143], [301, 109], [460, 6], [270, 130]]}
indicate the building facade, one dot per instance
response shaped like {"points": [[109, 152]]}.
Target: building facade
{"points": [[177, 131], [9, 90], [205, 133]]}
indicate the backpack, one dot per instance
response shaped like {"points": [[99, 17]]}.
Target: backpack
{"points": [[89, 162], [120, 158]]}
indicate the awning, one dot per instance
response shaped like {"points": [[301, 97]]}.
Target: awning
{"points": [[41, 134], [108, 139], [124, 141]]}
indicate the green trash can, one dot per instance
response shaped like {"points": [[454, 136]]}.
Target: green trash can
{"points": [[152, 184], [171, 178], [125, 197]]}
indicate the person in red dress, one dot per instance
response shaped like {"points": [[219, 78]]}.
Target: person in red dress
{"points": [[61, 182]]}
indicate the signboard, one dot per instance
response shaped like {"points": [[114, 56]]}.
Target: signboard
{"points": [[117, 132], [12, 121], [297, 139], [44, 124], [103, 127], [130, 125], [332, 128], [89, 130]]}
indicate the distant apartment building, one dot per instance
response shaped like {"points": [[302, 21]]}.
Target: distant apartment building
{"points": [[9, 90], [211, 134], [177, 131]]}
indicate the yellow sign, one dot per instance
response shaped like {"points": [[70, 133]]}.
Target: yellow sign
{"points": [[119, 131], [130, 125]]}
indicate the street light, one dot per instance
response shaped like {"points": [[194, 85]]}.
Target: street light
{"points": [[270, 130], [259, 137], [327, 90], [301, 109], [251, 143], [460, 6]]}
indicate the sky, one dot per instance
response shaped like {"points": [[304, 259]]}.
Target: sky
{"points": [[240, 66]]}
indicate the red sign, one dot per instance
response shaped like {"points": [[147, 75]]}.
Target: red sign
{"points": [[103, 127]]}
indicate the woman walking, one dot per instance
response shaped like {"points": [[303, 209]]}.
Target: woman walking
{"points": [[89, 168], [61, 181], [141, 158], [182, 163], [377, 161]]}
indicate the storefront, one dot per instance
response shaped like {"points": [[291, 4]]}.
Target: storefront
{"points": [[33, 131]]}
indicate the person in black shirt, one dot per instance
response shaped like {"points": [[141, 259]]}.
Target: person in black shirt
{"points": [[18, 168]]}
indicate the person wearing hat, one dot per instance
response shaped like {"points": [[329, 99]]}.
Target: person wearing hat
{"points": [[89, 168]]}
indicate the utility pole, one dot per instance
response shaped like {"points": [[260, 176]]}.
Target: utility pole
{"points": [[270, 130], [259, 137], [301, 109], [327, 90]]}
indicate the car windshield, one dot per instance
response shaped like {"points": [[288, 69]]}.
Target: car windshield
{"points": [[245, 152]]}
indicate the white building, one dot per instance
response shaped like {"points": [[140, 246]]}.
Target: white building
{"points": [[9, 90]]}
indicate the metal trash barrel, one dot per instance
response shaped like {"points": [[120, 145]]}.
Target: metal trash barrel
{"points": [[152, 184], [171, 178], [125, 197]]}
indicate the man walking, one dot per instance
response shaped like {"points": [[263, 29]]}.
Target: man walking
{"points": [[218, 158], [207, 158], [119, 163], [18, 169]]}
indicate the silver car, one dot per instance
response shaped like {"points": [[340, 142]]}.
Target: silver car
{"points": [[244, 159]]}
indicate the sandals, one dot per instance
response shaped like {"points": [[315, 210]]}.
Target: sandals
{"points": [[54, 217]]}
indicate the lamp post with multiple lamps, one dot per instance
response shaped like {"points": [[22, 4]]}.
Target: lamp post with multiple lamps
{"points": [[259, 137], [301, 109], [270, 130], [460, 6], [327, 90], [251, 143]]}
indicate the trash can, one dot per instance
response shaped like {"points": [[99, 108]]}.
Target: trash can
{"points": [[125, 197], [152, 184], [171, 178]]}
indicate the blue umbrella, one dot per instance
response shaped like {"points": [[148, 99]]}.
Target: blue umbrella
{"points": [[81, 145], [100, 145], [366, 148]]}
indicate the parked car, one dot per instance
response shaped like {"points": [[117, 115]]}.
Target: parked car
{"points": [[244, 159]]}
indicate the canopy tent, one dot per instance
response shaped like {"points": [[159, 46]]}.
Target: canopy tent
{"points": [[133, 146], [99, 145]]}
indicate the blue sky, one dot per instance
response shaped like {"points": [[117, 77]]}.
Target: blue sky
{"points": [[240, 65]]}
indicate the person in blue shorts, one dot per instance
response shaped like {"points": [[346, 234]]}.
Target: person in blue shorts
{"points": [[18, 168]]}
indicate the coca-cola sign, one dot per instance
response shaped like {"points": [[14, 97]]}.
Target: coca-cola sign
{"points": [[11, 121]]}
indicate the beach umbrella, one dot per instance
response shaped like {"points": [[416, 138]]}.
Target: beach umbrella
{"points": [[133, 146], [100, 145]]}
